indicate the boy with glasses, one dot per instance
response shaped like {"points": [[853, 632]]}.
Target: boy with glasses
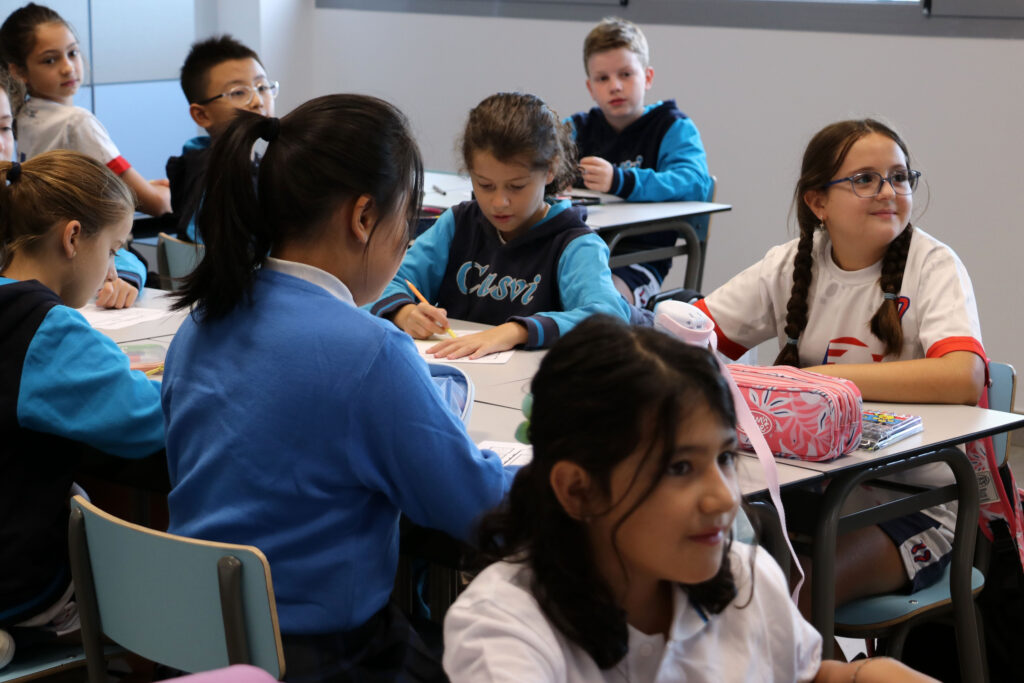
{"points": [[219, 77]]}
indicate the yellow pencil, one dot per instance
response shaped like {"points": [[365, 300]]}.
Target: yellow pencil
{"points": [[155, 371], [424, 300]]}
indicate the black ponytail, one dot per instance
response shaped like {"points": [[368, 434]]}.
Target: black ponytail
{"points": [[326, 152]]}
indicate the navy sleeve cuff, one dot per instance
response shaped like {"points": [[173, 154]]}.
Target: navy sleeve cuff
{"points": [[626, 182], [387, 307], [131, 278], [541, 331]]}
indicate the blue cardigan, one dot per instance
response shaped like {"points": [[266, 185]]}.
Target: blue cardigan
{"points": [[304, 426]]}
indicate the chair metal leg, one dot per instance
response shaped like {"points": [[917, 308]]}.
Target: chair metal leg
{"points": [[229, 578]]}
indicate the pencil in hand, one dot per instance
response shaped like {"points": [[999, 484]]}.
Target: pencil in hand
{"points": [[422, 298]]}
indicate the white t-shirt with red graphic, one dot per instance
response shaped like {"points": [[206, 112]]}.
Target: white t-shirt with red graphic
{"points": [[938, 311], [44, 125]]}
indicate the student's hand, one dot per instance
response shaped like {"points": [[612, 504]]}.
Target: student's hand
{"points": [[116, 293], [500, 338], [161, 182], [597, 174], [421, 321]]}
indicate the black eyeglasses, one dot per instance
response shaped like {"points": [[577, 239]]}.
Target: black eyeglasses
{"points": [[241, 95], [869, 183]]}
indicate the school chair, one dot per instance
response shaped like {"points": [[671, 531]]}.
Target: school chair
{"points": [[889, 618], [175, 259], [188, 604]]}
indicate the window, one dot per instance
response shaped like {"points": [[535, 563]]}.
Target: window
{"points": [[954, 18]]}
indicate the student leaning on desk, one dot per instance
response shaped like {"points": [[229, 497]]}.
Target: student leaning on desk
{"points": [[514, 257], [864, 294], [63, 385], [297, 422], [640, 153]]}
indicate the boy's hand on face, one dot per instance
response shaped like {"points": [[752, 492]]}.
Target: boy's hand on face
{"points": [[597, 174]]}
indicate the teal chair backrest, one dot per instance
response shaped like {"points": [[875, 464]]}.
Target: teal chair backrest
{"points": [[170, 598], [1000, 397], [175, 259]]}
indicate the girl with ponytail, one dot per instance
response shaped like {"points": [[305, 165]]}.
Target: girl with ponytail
{"points": [[864, 294], [297, 422]]}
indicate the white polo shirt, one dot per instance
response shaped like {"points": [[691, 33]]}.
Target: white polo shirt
{"points": [[496, 631], [44, 125]]}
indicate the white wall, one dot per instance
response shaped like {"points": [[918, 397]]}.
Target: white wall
{"points": [[757, 97]]}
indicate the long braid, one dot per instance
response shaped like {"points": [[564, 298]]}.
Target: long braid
{"points": [[796, 308], [885, 324]]}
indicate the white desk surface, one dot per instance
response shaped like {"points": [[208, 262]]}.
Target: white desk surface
{"points": [[496, 423], [500, 390], [944, 425], [610, 213]]}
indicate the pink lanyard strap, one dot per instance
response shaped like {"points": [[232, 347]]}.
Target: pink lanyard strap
{"points": [[667, 318]]}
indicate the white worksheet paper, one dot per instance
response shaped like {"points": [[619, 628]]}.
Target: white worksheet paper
{"points": [[499, 358], [511, 452], [119, 318]]}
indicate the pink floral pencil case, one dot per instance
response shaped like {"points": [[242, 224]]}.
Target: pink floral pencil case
{"points": [[801, 414]]}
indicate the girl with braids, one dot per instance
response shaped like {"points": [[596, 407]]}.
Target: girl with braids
{"points": [[64, 387], [514, 256], [282, 397], [865, 295], [613, 558]]}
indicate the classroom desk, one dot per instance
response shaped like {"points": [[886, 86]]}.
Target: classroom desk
{"points": [[496, 414], [613, 219], [945, 426]]}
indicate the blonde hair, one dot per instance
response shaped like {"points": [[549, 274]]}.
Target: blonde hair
{"points": [[56, 186], [613, 33]]}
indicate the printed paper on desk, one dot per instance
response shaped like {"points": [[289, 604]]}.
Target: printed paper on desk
{"points": [[511, 452], [119, 318], [499, 358]]}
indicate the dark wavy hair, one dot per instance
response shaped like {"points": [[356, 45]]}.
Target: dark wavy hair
{"points": [[18, 32], [603, 390], [512, 126], [326, 152], [823, 158]]}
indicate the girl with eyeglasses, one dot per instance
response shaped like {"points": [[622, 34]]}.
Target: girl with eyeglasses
{"points": [[865, 295]]}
